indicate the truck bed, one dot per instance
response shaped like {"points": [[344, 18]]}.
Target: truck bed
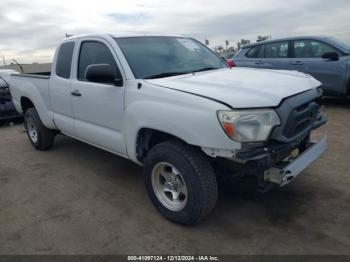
{"points": [[32, 86]]}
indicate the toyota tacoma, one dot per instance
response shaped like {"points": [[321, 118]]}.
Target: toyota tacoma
{"points": [[170, 104]]}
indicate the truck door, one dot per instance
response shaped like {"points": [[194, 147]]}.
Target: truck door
{"points": [[60, 82], [307, 58], [98, 108]]}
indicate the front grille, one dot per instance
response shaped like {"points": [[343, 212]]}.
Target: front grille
{"points": [[300, 119]]}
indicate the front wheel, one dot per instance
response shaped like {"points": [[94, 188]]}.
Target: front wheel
{"points": [[40, 137], [180, 182]]}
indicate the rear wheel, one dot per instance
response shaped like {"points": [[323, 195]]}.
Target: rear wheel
{"points": [[41, 137], [180, 182]]}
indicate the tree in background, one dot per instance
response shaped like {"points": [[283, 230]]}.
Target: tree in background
{"points": [[263, 38], [242, 43]]}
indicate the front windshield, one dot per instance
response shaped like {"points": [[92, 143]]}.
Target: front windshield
{"points": [[153, 57]]}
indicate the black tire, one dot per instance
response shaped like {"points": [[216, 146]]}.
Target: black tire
{"points": [[197, 173], [45, 137]]}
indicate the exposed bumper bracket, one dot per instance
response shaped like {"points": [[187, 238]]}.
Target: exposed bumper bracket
{"points": [[284, 175]]}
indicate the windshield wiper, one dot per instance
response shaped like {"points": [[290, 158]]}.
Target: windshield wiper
{"points": [[205, 69], [166, 74]]}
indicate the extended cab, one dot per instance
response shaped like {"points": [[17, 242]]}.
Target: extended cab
{"points": [[170, 104]]}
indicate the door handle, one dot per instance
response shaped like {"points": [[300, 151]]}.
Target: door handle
{"points": [[298, 63], [259, 63], [75, 93]]}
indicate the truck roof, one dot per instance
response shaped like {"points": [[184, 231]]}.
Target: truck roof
{"points": [[124, 34]]}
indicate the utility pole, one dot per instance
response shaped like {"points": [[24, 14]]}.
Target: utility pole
{"points": [[227, 44], [3, 59], [19, 65]]}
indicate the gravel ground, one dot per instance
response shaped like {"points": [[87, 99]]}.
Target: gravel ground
{"points": [[76, 199]]}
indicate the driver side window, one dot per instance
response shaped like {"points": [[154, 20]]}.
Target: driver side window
{"points": [[93, 52], [319, 48]]}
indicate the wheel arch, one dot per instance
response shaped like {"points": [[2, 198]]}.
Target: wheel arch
{"points": [[147, 138], [26, 103]]}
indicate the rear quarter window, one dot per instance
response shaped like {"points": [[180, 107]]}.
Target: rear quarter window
{"points": [[64, 60]]}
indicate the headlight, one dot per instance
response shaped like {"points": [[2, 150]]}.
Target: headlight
{"points": [[248, 125]]}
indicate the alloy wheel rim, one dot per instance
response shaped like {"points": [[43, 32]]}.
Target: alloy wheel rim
{"points": [[169, 186], [32, 130]]}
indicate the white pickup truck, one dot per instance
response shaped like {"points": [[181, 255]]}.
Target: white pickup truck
{"points": [[170, 104]]}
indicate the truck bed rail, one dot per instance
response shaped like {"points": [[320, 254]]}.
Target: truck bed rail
{"points": [[37, 75]]}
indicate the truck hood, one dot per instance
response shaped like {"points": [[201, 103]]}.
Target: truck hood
{"points": [[241, 87]]}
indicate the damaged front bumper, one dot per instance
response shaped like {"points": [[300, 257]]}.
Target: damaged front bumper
{"points": [[276, 164], [286, 153], [289, 169]]}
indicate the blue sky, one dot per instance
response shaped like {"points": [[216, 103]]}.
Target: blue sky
{"points": [[34, 28]]}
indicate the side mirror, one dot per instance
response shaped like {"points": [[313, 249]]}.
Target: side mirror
{"points": [[103, 73], [333, 56]]}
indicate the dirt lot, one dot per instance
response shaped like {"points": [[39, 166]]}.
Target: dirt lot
{"points": [[76, 199]]}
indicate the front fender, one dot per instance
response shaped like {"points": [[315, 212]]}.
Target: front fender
{"points": [[195, 125]]}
